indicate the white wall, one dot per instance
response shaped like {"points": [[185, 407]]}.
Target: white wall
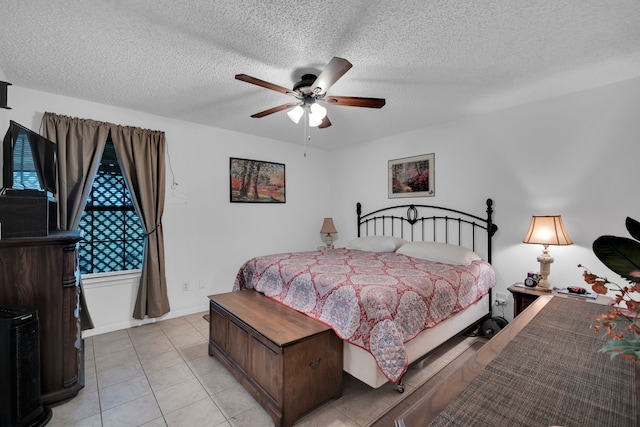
{"points": [[207, 238], [575, 155]]}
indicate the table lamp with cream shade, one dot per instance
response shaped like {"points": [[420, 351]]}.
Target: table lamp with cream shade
{"points": [[328, 228], [547, 230]]}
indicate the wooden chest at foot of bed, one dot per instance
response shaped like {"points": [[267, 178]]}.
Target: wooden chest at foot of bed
{"points": [[287, 361]]}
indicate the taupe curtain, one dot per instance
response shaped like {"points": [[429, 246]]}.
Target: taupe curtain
{"points": [[141, 156], [80, 146]]}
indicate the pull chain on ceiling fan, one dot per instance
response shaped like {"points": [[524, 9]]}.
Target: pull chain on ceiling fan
{"points": [[312, 90]]}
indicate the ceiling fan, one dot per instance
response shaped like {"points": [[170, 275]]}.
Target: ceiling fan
{"points": [[310, 91]]}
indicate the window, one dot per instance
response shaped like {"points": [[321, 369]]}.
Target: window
{"points": [[113, 235], [24, 169]]}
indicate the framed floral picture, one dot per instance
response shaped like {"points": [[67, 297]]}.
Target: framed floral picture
{"points": [[412, 176], [255, 181]]}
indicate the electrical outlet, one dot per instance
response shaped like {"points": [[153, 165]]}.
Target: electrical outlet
{"points": [[501, 299], [185, 286]]}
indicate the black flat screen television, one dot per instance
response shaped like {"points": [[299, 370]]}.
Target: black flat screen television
{"points": [[28, 160]]}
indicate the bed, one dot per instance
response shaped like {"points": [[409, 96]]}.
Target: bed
{"points": [[415, 276]]}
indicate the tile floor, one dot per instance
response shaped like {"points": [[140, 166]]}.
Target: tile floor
{"points": [[160, 374]]}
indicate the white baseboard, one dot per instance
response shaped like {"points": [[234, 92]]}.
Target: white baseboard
{"points": [[136, 322], [111, 298]]}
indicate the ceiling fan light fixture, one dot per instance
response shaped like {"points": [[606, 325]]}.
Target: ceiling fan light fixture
{"points": [[295, 114], [310, 89], [314, 122], [318, 110], [316, 114]]}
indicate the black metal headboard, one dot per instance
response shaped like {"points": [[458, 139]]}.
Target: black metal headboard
{"points": [[438, 224]]}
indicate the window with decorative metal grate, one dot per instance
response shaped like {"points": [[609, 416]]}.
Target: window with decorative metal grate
{"points": [[113, 235]]}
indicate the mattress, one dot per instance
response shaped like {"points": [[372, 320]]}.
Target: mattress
{"points": [[376, 301]]}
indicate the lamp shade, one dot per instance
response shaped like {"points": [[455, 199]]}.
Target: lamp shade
{"points": [[316, 114], [295, 114], [547, 230], [328, 227]]}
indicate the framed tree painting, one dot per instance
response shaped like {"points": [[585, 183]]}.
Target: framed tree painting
{"points": [[412, 176], [255, 181]]}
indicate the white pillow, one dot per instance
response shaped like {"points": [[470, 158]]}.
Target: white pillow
{"points": [[439, 252], [376, 243]]}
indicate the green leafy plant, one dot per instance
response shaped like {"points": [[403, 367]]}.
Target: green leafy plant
{"points": [[622, 323]]}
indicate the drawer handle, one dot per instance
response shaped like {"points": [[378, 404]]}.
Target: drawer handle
{"points": [[315, 363]]}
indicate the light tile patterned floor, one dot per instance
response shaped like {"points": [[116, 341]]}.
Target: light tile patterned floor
{"points": [[161, 375]]}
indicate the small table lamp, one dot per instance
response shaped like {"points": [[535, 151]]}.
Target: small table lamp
{"points": [[547, 230], [328, 228]]}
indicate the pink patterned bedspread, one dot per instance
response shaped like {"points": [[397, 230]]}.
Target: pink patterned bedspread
{"points": [[375, 300]]}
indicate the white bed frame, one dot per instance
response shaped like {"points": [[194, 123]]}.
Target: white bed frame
{"points": [[463, 229]]}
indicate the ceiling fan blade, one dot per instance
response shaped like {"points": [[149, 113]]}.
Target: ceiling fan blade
{"points": [[331, 73], [355, 101], [325, 123], [274, 110], [262, 83]]}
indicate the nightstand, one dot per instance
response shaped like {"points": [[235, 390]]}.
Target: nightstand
{"points": [[523, 297]]}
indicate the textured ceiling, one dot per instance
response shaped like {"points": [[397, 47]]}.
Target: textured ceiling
{"points": [[433, 61]]}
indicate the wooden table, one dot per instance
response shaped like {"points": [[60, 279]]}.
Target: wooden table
{"points": [[424, 411]]}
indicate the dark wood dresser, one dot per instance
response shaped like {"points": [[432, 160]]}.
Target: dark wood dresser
{"points": [[41, 272], [287, 361]]}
